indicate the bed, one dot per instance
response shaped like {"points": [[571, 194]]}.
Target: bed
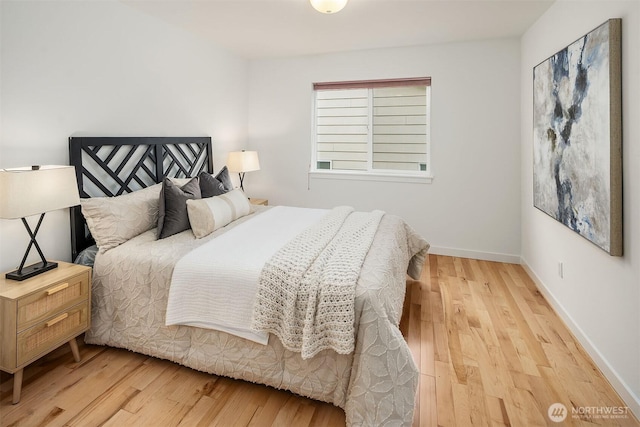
{"points": [[375, 383]]}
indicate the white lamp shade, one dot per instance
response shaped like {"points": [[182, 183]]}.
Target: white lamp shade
{"points": [[243, 161], [328, 6], [26, 191]]}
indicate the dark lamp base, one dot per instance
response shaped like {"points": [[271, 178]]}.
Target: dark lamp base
{"points": [[31, 270]]}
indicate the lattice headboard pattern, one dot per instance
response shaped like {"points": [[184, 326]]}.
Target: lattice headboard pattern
{"points": [[111, 166]]}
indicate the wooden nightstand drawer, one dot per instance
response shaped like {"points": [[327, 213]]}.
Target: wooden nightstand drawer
{"points": [[54, 331], [41, 313], [54, 298]]}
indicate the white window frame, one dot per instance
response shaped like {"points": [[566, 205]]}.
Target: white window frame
{"points": [[372, 174]]}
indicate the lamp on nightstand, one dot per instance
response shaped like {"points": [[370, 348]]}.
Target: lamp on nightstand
{"points": [[31, 191], [241, 162]]}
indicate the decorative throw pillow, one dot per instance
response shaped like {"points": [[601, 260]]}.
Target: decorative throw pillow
{"points": [[180, 181], [114, 220], [172, 207], [210, 186], [225, 179], [207, 215]]}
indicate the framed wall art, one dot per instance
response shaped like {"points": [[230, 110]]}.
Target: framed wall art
{"points": [[577, 137]]}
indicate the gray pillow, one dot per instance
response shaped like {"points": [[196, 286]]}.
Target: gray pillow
{"points": [[172, 207], [223, 177], [210, 186]]}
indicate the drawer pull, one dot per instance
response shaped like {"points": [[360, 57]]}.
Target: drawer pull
{"points": [[57, 319], [58, 288]]}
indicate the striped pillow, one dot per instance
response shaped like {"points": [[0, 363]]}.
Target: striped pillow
{"points": [[207, 215]]}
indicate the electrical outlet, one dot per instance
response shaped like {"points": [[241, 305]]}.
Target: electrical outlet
{"points": [[561, 269]]}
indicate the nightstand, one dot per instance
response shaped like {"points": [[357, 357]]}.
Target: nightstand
{"points": [[40, 314], [263, 202]]}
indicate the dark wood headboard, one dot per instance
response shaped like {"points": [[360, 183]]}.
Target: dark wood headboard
{"points": [[114, 166]]}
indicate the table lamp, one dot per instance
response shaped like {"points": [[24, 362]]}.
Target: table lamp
{"points": [[241, 162], [31, 191]]}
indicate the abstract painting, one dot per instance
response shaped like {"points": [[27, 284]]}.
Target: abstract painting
{"points": [[577, 137]]}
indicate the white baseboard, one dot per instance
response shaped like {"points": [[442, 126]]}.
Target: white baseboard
{"points": [[620, 386], [484, 256]]}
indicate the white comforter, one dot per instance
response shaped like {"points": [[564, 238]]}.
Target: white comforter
{"points": [[375, 384], [214, 286]]}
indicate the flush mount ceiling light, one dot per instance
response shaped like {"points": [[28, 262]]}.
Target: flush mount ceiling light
{"points": [[328, 6]]}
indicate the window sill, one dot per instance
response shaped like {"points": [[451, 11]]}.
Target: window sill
{"points": [[375, 176]]}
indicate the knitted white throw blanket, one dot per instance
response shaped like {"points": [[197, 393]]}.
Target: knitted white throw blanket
{"points": [[306, 291]]}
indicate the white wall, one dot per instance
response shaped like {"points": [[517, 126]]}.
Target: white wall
{"points": [[104, 69], [599, 296], [471, 207]]}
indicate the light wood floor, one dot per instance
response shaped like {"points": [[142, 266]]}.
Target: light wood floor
{"points": [[489, 348]]}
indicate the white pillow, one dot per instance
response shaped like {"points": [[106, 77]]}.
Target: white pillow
{"points": [[207, 215], [114, 220]]}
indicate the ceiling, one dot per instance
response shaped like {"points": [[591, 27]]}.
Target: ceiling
{"points": [[281, 28]]}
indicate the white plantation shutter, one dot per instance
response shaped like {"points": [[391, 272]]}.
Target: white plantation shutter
{"points": [[372, 125]]}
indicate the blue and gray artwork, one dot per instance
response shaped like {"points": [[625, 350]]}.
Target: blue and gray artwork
{"points": [[571, 147]]}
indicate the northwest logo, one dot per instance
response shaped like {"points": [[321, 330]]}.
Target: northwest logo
{"points": [[557, 412]]}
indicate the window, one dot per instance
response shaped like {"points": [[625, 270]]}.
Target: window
{"points": [[374, 127]]}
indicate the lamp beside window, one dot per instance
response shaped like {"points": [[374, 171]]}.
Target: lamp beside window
{"points": [[241, 162], [31, 191]]}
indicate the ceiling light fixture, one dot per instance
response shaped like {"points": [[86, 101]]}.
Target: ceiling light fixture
{"points": [[328, 6]]}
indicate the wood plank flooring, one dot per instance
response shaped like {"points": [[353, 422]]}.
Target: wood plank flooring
{"points": [[489, 348]]}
